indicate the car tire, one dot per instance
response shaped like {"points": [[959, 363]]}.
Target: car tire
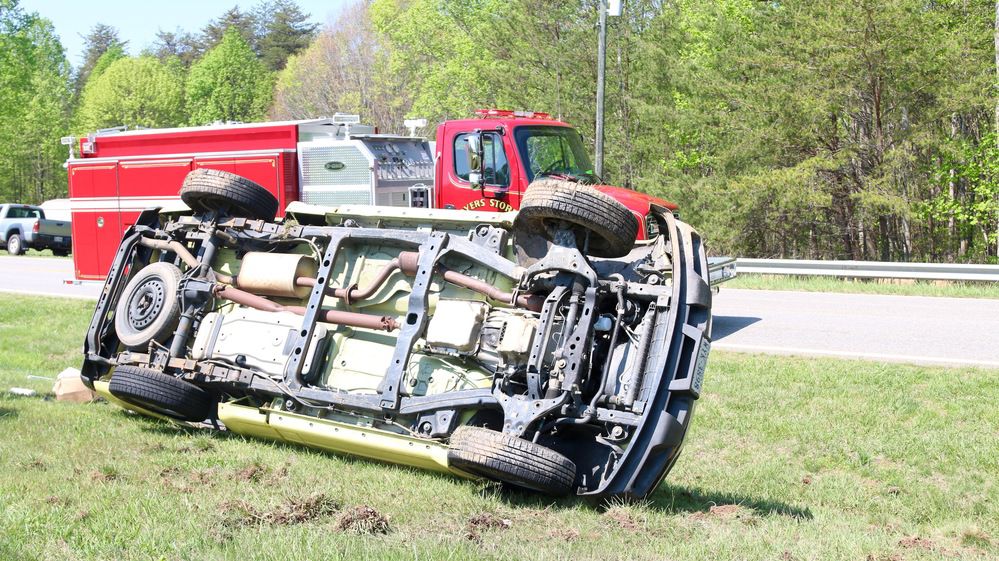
{"points": [[611, 226], [512, 460], [149, 307], [60, 252], [15, 244], [162, 393], [212, 190]]}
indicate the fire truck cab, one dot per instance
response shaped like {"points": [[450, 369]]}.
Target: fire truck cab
{"points": [[481, 164]]}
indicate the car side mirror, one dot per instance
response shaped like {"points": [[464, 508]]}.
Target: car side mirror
{"points": [[476, 159]]}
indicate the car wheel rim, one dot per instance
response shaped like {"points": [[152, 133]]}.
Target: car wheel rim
{"points": [[146, 303], [13, 246]]}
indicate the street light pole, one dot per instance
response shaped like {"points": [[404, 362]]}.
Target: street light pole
{"points": [[598, 164]]}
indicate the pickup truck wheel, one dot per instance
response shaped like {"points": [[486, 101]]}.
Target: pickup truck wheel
{"points": [[149, 308], [161, 393], [512, 460], [207, 190], [15, 245], [612, 228]]}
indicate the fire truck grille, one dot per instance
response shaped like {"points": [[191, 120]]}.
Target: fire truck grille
{"points": [[334, 165], [337, 197]]}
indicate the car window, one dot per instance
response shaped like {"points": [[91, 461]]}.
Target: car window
{"points": [[496, 164], [20, 212]]}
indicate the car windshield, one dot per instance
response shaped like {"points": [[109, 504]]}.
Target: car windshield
{"points": [[554, 151]]}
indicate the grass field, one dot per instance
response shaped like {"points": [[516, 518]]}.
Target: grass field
{"points": [[787, 459], [38, 253], [860, 286]]}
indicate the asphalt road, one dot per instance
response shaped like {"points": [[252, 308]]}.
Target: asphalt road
{"points": [[912, 329], [43, 276]]}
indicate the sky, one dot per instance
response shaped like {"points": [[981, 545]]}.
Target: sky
{"points": [[138, 20]]}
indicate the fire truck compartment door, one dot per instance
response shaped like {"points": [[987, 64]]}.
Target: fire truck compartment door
{"points": [[96, 226], [261, 169]]}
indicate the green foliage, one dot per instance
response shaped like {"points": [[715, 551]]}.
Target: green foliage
{"points": [[134, 92], [229, 83], [100, 40], [285, 31], [346, 69], [34, 106]]}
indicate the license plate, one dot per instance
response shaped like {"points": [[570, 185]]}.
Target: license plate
{"points": [[700, 365], [58, 239]]}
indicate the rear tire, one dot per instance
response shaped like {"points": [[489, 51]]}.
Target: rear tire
{"points": [[212, 190], [612, 228], [161, 393], [512, 460], [60, 252], [15, 244]]}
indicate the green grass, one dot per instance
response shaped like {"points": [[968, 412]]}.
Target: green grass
{"points": [[787, 459], [39, 253], [861, 286]]}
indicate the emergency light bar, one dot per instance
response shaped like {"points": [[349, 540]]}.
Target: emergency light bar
{"points": [[515, 114]]}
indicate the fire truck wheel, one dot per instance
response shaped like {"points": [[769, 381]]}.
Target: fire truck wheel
{"points": [[207, 190], [14, 244], [149, 307], [161, 393], [612, 228]]}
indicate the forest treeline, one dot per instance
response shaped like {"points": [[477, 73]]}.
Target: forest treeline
{"points": [[833, 129]]}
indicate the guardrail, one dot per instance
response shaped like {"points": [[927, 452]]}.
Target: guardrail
{"points": [[870, 269]]}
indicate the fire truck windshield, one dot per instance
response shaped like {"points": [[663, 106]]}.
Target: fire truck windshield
{"points": [[547, 150]]}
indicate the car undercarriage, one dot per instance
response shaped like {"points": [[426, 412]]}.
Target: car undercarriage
{"points": [[544, 349]]}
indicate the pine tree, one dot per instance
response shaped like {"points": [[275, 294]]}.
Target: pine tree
{"points": [[286, 31], [98, 41]]}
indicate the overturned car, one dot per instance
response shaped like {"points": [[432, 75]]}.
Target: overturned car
{"points": [[543, 349]]}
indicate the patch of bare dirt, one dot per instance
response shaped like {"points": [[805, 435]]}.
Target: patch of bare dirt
{"points": [[363, 519], [56, 501], [252, 473], [483, 522], [564, 534], [34, 464], [292, 511], [916, 542], [623, 518], [885, 557], [105, 475]]}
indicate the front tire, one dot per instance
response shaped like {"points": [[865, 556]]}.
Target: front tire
{"points": [[549, 204], [161, 393], [15, 244], [512, 460]]}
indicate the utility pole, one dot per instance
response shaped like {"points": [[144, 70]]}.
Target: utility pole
{"points": [[613, 8]]}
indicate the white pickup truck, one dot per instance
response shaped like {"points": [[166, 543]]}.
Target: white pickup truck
{"points": [[24, 226]]}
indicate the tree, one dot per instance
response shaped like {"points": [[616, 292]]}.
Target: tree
{"points": [[34, 106], [134, 92], [346, 69], [229, 83], [178, 44], [101, 39], [245, 23], [286, 31]]}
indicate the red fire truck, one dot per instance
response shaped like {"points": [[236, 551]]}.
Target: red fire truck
{"points": [[482, 164]]}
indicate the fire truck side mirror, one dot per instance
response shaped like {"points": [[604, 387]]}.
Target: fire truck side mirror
{"points": [[476, 159]]}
